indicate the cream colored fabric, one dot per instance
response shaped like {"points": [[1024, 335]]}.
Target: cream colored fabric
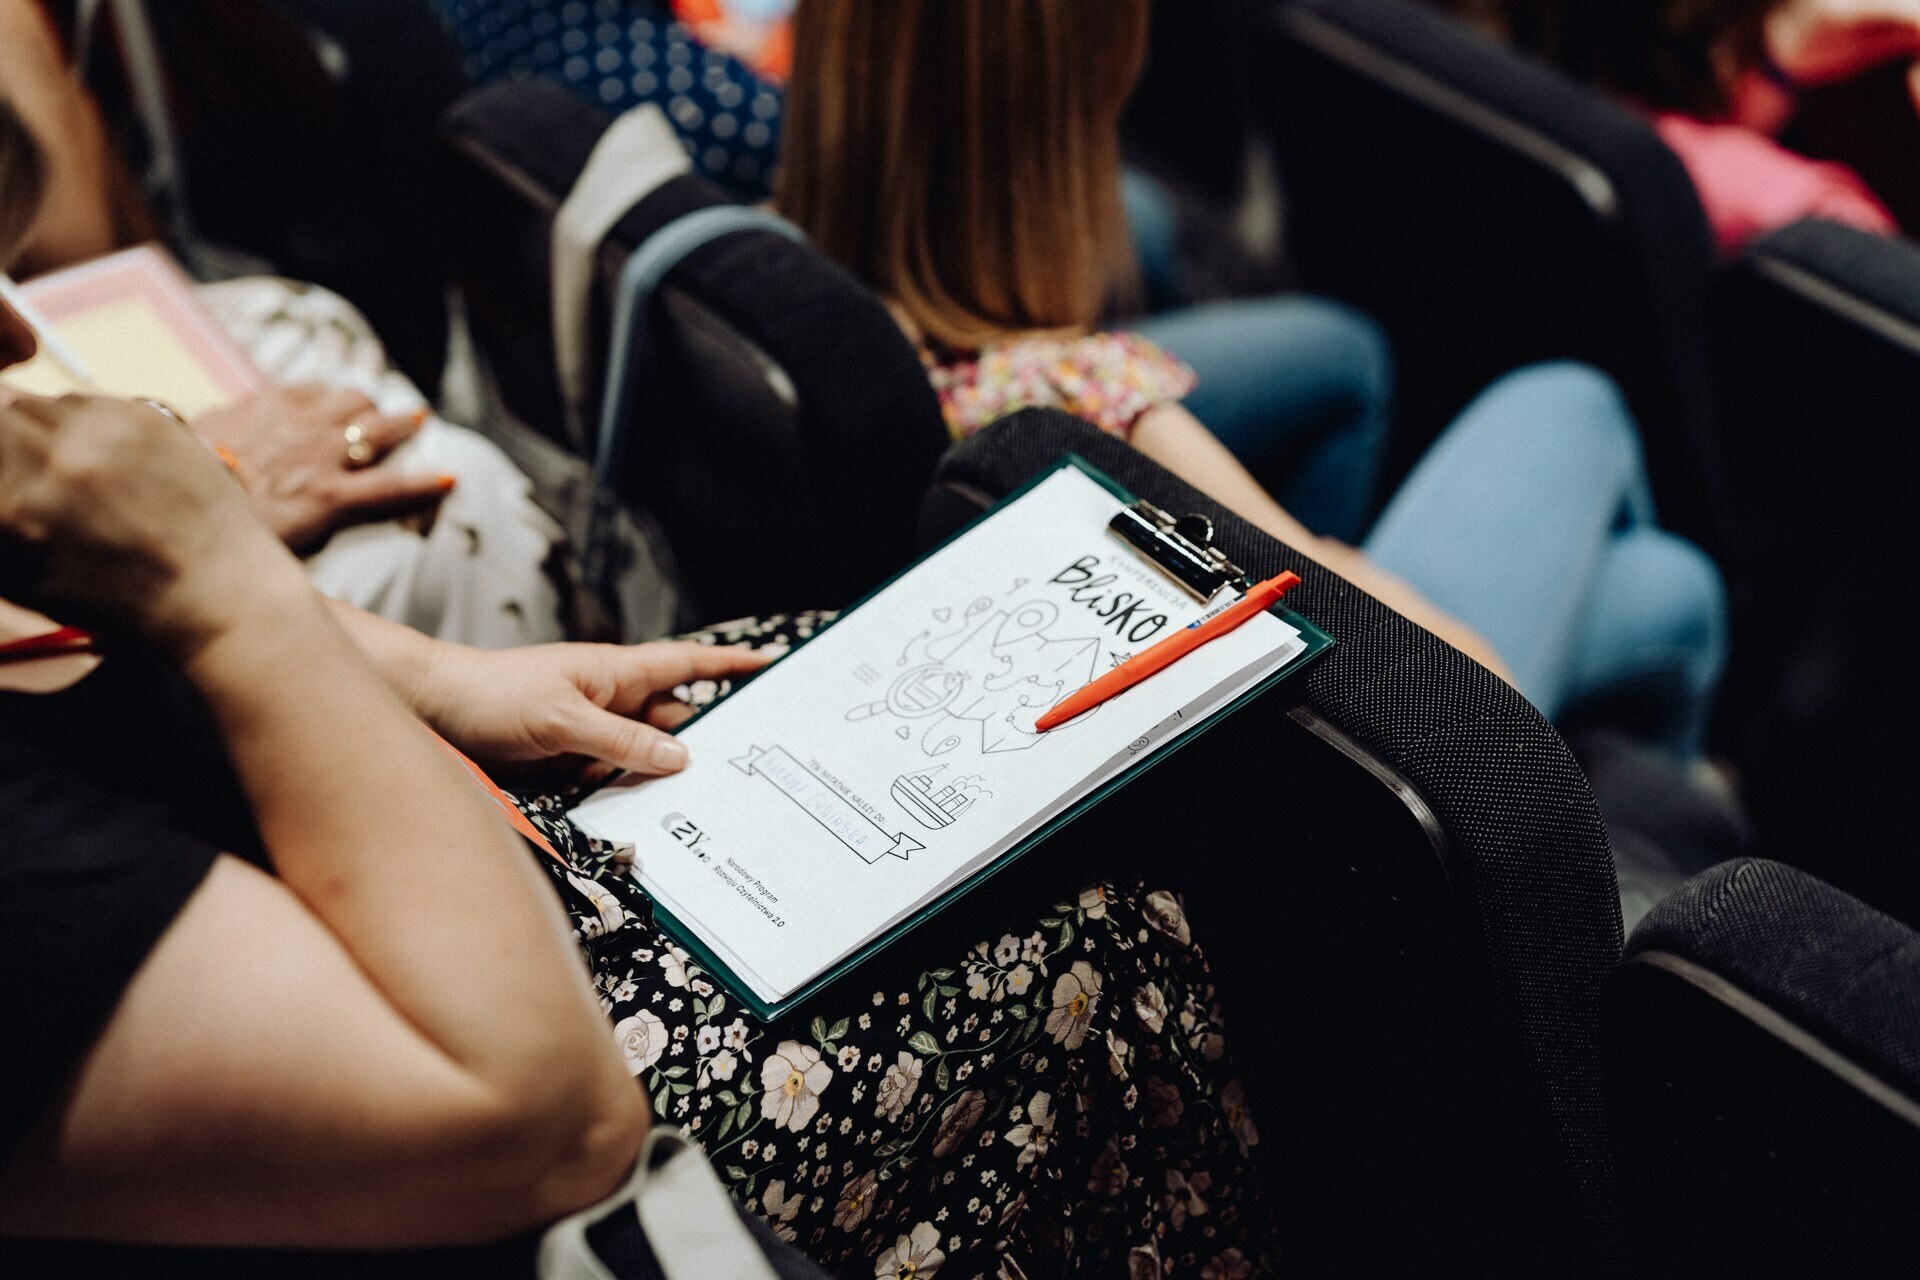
{"points": [[689, 1221], [480, 574]]}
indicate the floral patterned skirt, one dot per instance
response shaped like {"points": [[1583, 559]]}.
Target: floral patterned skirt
{"points": [[1057, 1099]]}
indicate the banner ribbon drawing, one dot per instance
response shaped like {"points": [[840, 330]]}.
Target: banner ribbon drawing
{"points": [[826, 806]]}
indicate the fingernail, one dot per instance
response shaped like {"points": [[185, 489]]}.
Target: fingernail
{"points": [[668, 756], [445, 483]]}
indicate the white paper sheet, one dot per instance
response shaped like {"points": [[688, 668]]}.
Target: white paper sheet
{"points": [[895, 754]]}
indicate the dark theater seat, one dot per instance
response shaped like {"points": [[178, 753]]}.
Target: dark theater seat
{"points": [[1490, 213], [1763, 1066]]}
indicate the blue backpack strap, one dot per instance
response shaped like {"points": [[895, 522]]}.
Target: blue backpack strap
{"points": [[646, 268]]}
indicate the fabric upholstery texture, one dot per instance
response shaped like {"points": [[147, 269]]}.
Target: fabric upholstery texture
{"points": [[1532, 868], [1830, 963]]}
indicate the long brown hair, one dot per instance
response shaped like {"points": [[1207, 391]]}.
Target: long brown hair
{"points": [[963, 156], [23, 182]]}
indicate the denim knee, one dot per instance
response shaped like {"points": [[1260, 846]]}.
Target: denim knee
{"points": [[1568, 410], [1350, 344]]}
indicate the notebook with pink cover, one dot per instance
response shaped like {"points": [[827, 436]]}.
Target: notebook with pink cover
{"points": [[134, 318]]}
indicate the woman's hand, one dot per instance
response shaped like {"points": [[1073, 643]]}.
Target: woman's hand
{"points": [[113, 516], [557, 708], [306, 476]]}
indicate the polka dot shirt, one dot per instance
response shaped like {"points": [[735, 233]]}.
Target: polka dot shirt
{"points": [[618, 54]]}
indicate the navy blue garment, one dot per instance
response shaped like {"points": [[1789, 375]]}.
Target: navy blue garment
{"points": [[618, 54]]}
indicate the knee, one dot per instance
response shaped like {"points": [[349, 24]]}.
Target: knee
{"points": [[1566, 406], [1682, 598], [1350, 345]]}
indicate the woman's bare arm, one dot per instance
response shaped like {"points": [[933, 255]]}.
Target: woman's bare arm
{"points": [[444, 1071], [1179, 442]]}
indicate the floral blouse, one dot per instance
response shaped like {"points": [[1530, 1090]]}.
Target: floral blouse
{"points": [[1057, 1099], [1110, 379]]}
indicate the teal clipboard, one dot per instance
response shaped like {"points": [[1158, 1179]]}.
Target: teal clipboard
{"points": [[1317, 642]]}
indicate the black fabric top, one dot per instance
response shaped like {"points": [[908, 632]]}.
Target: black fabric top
{"points": [[111, 796]]}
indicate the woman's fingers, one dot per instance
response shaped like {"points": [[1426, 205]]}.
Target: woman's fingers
{"points": [[602, 735], [380, 493], [641, 671], [343, 407], [387, 433]]}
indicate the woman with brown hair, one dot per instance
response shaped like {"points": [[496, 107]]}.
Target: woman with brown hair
{"points": [[964, 159]]}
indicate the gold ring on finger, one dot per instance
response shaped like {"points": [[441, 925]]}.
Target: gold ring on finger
{"points": [[359, 448]]}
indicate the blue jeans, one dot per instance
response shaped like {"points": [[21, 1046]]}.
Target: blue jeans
{"points": [[1530, 520], [1298, 388]]}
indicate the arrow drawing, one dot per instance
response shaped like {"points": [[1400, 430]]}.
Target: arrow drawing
{"points": [[820, 801]]}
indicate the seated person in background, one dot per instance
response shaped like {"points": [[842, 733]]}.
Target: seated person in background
{"points": [[346, 443], [1722, 78], [1297, 387], [281, 975], [962, 159]]}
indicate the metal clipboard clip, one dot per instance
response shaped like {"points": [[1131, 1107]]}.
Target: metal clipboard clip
{"points": [[1181, 547]]}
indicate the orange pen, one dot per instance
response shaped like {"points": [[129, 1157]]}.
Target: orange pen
{"points": [[1169, 651]]}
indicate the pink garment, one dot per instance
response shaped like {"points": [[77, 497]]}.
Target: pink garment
{"points": [[1110, 379], [1749, 184]]}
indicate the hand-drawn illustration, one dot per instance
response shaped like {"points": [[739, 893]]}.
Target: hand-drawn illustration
{"points": [[820, 800], [934, 802], [980, 686]]}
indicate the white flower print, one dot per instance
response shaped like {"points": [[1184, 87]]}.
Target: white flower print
{"points": [[749, 1149], [875, 1062], [735, 1036], [1165, 1106], [781, 1210], [722, 1065], [1019, 980], [1116, 1054], [1150, 1006], [1034, 949], [1075, 993], [856, 1201], [977, 984], [625, 991], [1007, 950], [898, 1086], [792, 1079], [1164, 912], [849, 1057], [642, 1039], [958, 1120], [674, 962], [1094, 901], [707, 1040], [914, 1256], [1034, 1137], [1183, 1196]]}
